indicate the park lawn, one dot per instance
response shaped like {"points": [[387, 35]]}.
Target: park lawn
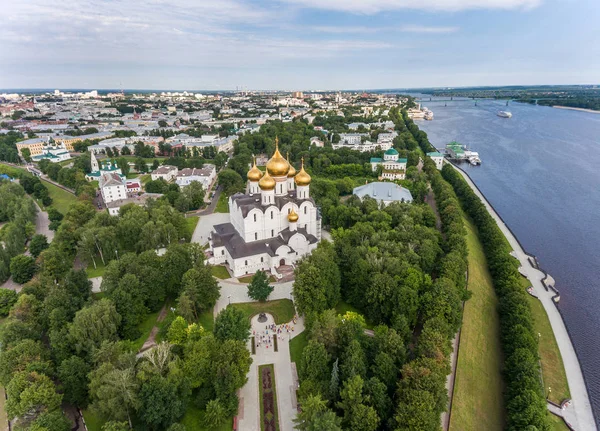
{"points": [[98, 271], [93, 422], [248, 279], [95, 184], [223, 204], [553, 369], [478, 401], [260, 397], [145, 327], [194, 421], [132, 175], [97, 296], [220, 271], [207, 320], [282, 309], [11, 171], [297, 345], [557, 424], [343, 307], [61, 199], [145, 178], [190, 226]]}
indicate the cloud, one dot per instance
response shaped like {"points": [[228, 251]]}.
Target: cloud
{"points": [[376, 6], [369, 30]]}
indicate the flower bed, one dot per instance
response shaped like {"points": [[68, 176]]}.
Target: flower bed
{"points": [[269, 420]]}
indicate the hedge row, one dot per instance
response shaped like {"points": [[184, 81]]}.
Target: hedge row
{"points": [[525, 401]]}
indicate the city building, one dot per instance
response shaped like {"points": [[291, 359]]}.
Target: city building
{"points": [[68, 140], [438, 158], [272, 225], [115, 206], [165, 172], [107, 166], [392, 167], [204, 176], [112, 187], [133, 186], [55, 154], [384, 193]]}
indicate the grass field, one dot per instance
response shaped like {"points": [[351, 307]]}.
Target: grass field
{"points": [[191, 223], [220, 271], [145, 178], [61, 199], [248, 279], [557, 424], [553, 369], [92, 422], [260, 396], [223, 204], [478, 401], [194, 421], [95, 272], [207, 320], [343, 307], [282, 309], [297, 345]]}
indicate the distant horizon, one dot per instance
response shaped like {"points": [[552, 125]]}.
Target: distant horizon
{"points": [[159, 90]]}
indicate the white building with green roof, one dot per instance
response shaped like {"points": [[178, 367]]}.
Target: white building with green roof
{"points": [[438, 158], [393, 167], [106, 167]]}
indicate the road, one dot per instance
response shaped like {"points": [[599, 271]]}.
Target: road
{"points": [[583, 417]]}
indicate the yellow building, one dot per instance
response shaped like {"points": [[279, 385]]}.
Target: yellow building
{"points": [[35, 145]]}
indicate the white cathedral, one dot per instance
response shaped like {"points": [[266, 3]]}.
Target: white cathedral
{"points": [[273, 224]]}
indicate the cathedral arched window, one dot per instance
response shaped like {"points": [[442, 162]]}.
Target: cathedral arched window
{"points": [[254, 217], [245, 262], [271, 215], [305, 210], [255, 236]]}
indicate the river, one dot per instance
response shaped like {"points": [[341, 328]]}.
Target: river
{"points": [[541, 171]]}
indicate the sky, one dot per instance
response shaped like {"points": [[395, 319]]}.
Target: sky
{"points": [[297, 44]]}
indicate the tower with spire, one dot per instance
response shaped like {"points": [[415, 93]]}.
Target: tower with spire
{"points": [[272, 225]]}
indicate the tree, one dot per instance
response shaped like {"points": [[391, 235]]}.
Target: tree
{"points": [[317, 284], [315, 416], [215, 414], [51, 421], [93, 325], [161, 404], [259, 288], [24, 355], [8, 298], [38, 244], [162, 123], [73, 374], [114, 392], [231, 182], [194, 192], [178, 331], [115, 426], [314, 364], [357, 416], [26, 154], [201, 288], [30, 393], [22, 268], [128, 299], [232, 324]]}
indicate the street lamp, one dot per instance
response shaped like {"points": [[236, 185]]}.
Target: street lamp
{"points": [[229, 297], [117, 253]]}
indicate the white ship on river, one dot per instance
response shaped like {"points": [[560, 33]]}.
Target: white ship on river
{"points": [[504, 114]]}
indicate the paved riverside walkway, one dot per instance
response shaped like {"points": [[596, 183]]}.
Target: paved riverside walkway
{"points": [[583, 418]]}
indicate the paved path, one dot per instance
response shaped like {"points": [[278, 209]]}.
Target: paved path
{"points": [[234, 292], [96, 282], [205, 226], [285, 382], [42, 223], [583, 418]]}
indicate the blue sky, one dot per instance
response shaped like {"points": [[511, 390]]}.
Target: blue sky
{"points": [[297, 44]]}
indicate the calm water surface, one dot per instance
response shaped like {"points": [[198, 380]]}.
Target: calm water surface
{"points": [[541, 171]]}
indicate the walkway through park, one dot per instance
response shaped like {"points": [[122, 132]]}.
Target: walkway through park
{"points": [[582, 417]]}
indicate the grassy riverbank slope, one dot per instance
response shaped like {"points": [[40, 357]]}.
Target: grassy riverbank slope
{"points": [[478, 399]]}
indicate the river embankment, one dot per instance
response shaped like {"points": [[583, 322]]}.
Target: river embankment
{"points": [[579, 413], [570, 108]]}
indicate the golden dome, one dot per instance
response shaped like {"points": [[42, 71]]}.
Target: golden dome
{"points": [[277, 166], [293, 217], [292, 171], [302, 178], [266, 182], [254, 174]]}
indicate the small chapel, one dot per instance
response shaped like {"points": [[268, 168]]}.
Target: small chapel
{"points": [[272, 225]]}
